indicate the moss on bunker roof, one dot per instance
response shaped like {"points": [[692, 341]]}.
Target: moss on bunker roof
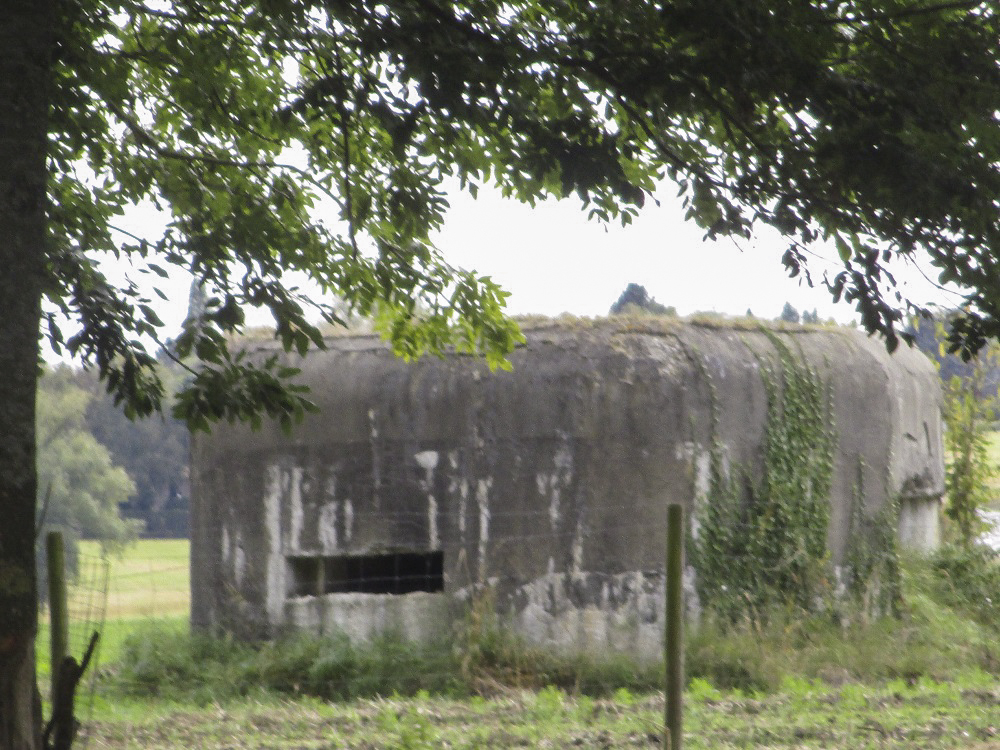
{"points": [[651, 325]]}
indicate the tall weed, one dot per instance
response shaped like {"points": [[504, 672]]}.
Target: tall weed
{"points": [[177, 666], [944, 628], [968, 579]]}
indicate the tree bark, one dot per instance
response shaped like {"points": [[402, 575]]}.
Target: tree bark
{"points": [[26, 28]]}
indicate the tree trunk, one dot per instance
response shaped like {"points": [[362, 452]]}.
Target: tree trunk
{"points": [[25, 64]]}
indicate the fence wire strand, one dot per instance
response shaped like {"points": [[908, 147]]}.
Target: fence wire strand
{"points": [[87, 602]]}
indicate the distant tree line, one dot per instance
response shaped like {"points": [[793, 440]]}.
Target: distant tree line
{"points": [[790, 315], [970, 411], [152, 452], [931, 336], [81, 488], [635, 300]]}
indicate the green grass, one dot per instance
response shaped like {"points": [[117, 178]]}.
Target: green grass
{"points": [[148, 582], [928, 679], [948, 626], [802, 714], [166, 661], [151, 578]]}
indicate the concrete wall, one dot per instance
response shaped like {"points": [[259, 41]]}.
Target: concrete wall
{"points": [[549, 483]]}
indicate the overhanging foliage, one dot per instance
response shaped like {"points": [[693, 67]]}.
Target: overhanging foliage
{"points": [[869, 124]]}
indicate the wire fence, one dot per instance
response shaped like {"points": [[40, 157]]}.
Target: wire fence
{"points": [[547, 553], [592, 615], [470, 650], [81, 620], [87, 599]]}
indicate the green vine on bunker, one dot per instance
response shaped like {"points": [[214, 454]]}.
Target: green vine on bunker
{"points": [[871, 561], [762, 539]]}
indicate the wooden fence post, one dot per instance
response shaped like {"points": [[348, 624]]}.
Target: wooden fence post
{"points": [[58, 607], [674, 643]]}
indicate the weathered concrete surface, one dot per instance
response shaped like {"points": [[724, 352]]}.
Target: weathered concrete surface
{"points": [[549, 484]]}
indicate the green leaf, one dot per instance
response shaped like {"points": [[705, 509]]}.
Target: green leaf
{"points": [[843, 249]]}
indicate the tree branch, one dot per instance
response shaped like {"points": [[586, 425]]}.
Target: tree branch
{"points": [[145, 139], [905, 13]]}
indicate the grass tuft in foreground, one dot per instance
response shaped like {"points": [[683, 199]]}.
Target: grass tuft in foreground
{"points": [[801, 714]]}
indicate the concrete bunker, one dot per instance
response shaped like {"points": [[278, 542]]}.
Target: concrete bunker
{"points": [[419, 483]]}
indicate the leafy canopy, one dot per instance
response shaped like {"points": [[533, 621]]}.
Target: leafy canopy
{"points": [[321, 137]]}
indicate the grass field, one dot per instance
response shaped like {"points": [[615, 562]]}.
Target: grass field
{"points": [[152, 578], [802, 714], [150, 582]]}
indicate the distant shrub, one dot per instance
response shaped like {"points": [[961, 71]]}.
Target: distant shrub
{"points": [[170, 663], [166, 661], [968, 578], [729, 659], [491, 654]]}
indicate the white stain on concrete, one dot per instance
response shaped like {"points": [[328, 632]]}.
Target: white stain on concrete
{"points": [[432, 522], [542, 483], [700, 461], [547, 488], [225, 544], [692, 604], [296, 512], [483, 501], [275, 565], [348, 520], [328, 526], [459, 487], [239, 561], [463, 507], [428, 461], [376, 465], [551, 484], [563, 459], [577, 551], [703, 474]]}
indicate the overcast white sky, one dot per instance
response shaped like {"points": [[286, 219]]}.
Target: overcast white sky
{"points": [[553, 260]]}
